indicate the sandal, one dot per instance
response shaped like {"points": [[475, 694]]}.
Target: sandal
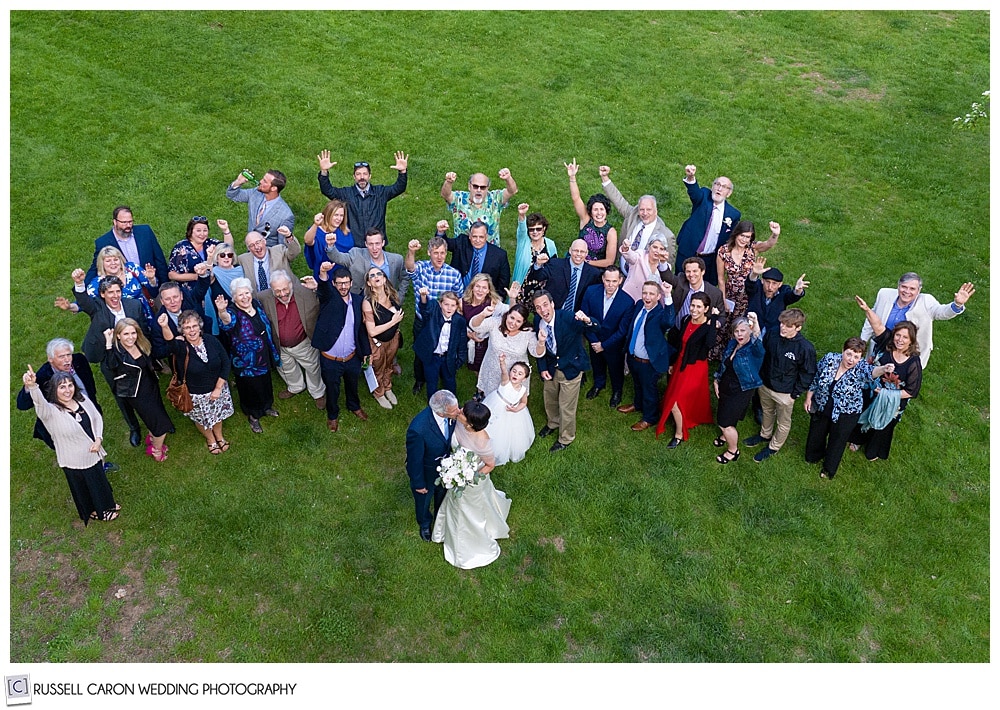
{"points": [[214, 448], [719, 442], [94, 515], [728, 457], [223, 445], [158, 454], [110, 515]]}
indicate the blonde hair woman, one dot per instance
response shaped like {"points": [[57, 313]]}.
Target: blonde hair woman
{"points": [[479, 294]]}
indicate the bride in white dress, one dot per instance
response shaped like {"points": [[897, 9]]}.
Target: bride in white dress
{"points": [[470, 525], [511, 430]]}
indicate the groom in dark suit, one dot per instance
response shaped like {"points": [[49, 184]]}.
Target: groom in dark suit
{"points": [[428, 439], [562, 361]]}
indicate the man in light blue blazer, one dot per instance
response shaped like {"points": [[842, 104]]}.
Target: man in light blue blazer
{"points": [[266, 209]]}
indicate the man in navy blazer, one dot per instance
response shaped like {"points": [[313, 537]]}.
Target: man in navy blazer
{"points": [[464, 247], [441, 356], [342, 340], [648, 352], [428, 440], [710, 224], [561, 364], [136, 241], [607, 305], [558, 275]]}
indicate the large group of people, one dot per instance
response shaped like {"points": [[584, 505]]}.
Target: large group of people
{"points": [[630, 301]]}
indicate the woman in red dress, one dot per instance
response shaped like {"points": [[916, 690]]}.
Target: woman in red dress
{"points": [[686, 398]]}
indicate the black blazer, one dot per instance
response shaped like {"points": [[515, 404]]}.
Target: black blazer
{"points": [[572, 357], [433, 319], [700, 343], [191, 301], [557, 273], [44, 374], [333, 316], [593, 306], [101, 319], [495, 262]]}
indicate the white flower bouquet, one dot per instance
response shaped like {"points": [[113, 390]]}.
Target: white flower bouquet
{"points": [[458, 470]]}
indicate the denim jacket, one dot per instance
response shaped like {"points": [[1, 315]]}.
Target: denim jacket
{"points": [[746, 362]]}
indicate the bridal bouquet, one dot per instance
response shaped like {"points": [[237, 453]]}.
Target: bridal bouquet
{"points": [[458, 470]]}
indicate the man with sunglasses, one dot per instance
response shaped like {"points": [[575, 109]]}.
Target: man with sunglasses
{"points": [[136, 241], [266, 209], [366, 203], [479, 203]]}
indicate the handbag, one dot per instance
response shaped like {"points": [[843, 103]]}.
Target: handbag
{"points": [[177, 390]]}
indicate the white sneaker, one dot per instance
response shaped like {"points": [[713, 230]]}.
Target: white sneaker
{"points": [[383, 402]]}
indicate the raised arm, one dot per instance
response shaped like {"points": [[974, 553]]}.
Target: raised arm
{"points": [[775, 233], [874, 322], [511, 187], [449, 180]]}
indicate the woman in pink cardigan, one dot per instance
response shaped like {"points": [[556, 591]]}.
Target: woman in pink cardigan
{"points": [[77, 431], [645, 265]]}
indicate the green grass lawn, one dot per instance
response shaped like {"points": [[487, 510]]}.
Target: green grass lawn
{"points": [[300, 545]]}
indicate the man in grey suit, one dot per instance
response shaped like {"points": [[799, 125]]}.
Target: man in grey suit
{"points": [[292, 309], [639, 223], [260, 261], [360, 259], [266, 209]]}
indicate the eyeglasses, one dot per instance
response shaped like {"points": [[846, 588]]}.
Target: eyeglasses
{"points": [[474, 186], [362, 164], [200, 219], [723, 185], [124, 221]]}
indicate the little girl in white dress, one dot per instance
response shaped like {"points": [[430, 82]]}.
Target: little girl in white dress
{"points": [[511, 430]]}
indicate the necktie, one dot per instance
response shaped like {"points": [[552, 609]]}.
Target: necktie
{"points": [[708, 230], [638, 237], [550, 340], [260, 212], [261, 277], [477, 266], [574, 279], [636, 331]]}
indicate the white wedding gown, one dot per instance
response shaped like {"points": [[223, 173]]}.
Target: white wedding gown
{"points": [[511, 433], [470, 526]]}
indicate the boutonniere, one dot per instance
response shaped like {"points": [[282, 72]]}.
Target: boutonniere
{"points": [[728, 221]]}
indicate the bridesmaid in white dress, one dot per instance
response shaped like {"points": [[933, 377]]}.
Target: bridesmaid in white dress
{"points": [[509, 333], [511, 429], [470, 525]]}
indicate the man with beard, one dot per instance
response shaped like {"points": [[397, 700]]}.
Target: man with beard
{"points": [[136, 241], [266, 209], [366, 203], [479, 203]]}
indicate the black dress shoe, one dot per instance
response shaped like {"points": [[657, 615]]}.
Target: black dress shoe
{"points": [[558, 446], [134, 437], [417, 386], [425, 534], [593, 391], [674, 443], [545, 431], [616, 399]]}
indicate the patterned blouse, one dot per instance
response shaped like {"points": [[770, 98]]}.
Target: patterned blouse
{"points": [[134, 279], [847, 391], [253, 350]]}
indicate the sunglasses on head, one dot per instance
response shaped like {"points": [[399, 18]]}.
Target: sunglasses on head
{"points": [[362, 164], [200, 219]]}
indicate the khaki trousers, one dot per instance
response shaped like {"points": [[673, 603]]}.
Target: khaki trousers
{"points": [[561, 396], [776, 406], [296, 359]]}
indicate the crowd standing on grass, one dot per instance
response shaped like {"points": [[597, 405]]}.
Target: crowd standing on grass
{"points": [[626, 300]]}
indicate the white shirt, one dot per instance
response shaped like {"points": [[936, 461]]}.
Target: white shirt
{"points": [[714, 227], [444, 338]]}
